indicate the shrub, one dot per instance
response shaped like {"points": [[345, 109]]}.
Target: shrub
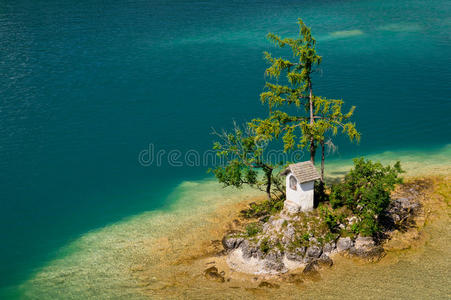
{"points": [[253, 229], [264, 245], [366, 192], [264, 208], [329, 218]]}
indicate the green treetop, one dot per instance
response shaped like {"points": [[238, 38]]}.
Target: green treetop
{"points": [[314, 117]]}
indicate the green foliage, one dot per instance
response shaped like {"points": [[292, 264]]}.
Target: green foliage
{"points": [[242, 152], [264, 208], [315, 117], [252, 229], [330, 219], [265, 245], [366, 192]]}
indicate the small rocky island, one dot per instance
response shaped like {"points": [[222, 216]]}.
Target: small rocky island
{"points": [[273, 240], [293, 241]]}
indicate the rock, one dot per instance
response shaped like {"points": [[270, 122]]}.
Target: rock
{"points": [[277, 224], [344, 244], [273, 261], [266, 227], [311, 268], [289, 232], [230, 243], [268, 285], [294, 278], [296, 255], [373, 254], [290, 207], [249, 250], [313, 251], [325, 260], [401, 209], [212, 274], [366, 242], [329, 247], [301, 250]]}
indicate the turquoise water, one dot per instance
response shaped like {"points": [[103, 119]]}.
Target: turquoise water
{"points": [[86, 86]]}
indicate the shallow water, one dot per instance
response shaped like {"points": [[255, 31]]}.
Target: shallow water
{"points": [[162, 254]]}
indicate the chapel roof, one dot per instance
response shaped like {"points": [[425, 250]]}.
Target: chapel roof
{"points": [[304, 171]]}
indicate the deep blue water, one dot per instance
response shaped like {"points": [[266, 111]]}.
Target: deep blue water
{"points": [[86, 85]]}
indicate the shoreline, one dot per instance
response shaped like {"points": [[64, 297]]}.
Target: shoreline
{"points": [[232, 261], [164, 254]]}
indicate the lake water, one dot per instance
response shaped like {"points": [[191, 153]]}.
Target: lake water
{"points": [[86, 86]]}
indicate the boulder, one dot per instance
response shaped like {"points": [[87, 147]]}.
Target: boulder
{"points": [[297, 254], [311, 268], [366, 242], [249, 250], [402, 209], [313, 251], [344, 244], [230, 243], [372, 254], [273, 262], [329, 247], [325, 260]]}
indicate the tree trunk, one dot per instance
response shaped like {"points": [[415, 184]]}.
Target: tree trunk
{"points": [[322, 161], [312, 120], [268, 182], [312, 150]]}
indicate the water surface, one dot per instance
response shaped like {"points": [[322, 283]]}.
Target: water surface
{"points": [[86, 86]]}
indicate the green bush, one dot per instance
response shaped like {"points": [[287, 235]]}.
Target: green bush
{"points": [[264, 208], [331, 220], [253, 229], [366, 192], [264, 245]]}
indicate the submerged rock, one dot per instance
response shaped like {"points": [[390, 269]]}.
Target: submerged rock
{"points": [[268, 285], [311, 268], [212, 274], [325, 260], [372, 254]]}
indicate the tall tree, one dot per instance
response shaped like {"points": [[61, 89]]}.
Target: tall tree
{"points": [[299, 90], [314, 117]]}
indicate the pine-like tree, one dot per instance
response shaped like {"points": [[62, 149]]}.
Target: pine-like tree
{"points": [[314, 116]]}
